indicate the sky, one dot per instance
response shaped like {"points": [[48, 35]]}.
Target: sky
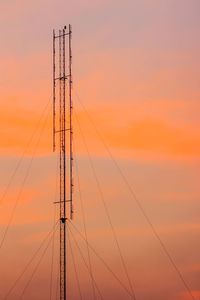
{"points": [[136, 70]]}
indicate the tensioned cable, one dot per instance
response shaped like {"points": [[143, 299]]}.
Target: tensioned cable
{"points": [[24, 152], [52, 257], [107, 212], [29, 262], [81, 254], [22, 186], [35, 269], [84, 221], [102, 260], [138, 203], [74, 264], [57, 282]]}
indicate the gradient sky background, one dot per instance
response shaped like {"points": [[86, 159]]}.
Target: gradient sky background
{"points": [[136, 69]]}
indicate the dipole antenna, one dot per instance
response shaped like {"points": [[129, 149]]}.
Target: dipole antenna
{"points": [[62, 124]]}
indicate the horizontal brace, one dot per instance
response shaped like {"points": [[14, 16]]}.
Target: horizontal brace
{"points": [[62, 201], [62, 130], [57, 36], [61, 78]]}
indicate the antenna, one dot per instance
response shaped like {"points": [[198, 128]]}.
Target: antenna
{"points": [[60, 64]]}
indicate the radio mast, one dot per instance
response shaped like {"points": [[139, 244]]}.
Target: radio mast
{"points": [[62, 125]]}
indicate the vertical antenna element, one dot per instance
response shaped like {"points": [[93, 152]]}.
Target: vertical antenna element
{"points": [[70, 121], [65, 138], [54, 90]]}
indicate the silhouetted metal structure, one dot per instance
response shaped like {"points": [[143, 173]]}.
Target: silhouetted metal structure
{"points": [[62, 125]]}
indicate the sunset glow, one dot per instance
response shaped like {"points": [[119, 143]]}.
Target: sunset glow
{"points": [[136, 101]]}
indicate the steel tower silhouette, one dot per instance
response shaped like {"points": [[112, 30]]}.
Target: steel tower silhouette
{"points": [[62, 125]]}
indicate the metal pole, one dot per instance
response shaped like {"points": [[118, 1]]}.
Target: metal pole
{"points": [[70, 121], [62, 138], [54, 87], [64, 176]]}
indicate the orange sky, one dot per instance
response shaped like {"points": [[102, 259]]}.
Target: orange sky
{"points": [[136, 70]]}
